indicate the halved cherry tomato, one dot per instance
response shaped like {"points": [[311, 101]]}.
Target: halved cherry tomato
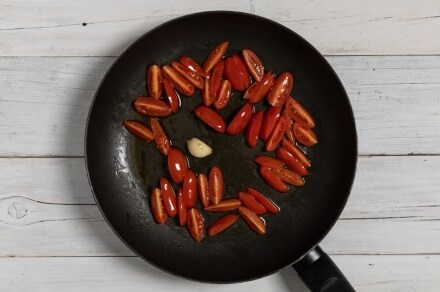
{"points": [[214, 56], [160, 137], [249, 201], [281, 89], [179, 82], [273, 180], [223, 95], [240, 120], [194, 78], [304, 135], [192, 65], [258, 90], [221, 224], [183, 212], [171, 95], [296, 152], [291, 161], [216, 77], [253, 220], [215, 185], [269, 161], [207, 97], [195, 224], [154, 81], [203, 189], [290, 122], [225, 205], [263, 200], [151, 107], [288, 176], [254, 64], [168, 196], [157, 207], [237, 73], [297, 112], [190, 189], [277, 134], [270, 118], [177, 164], [211, 118], [139, 129], [253, 129]]}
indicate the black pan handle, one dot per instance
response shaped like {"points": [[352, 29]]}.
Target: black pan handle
{"points": [[320, 273]]}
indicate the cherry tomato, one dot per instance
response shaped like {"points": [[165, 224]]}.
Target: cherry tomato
{"points": [[203, 189], [288, 176], [214, 56], [289, 131], [154, 81], [215, 185], [157, 207], [179, 82], [177, 164], [281, 89], [254, 64], [240, 120], [253, 129], [223, 95], [273, 180], [211, 118], [263, 200], [225, 205], [277, 134], [168, 196], [195, 224], [193, 78], [139, 129], [269, 161], [258, 90], [304, 135], [296, 152], [270, 118], [160, 137], [249, 201], [190, 189], [291, 161], [152, 107], [183, 212], [207, 97], [221, 224], [216, 77], [192, 65], [171, 95], [236, 72], [253, 220], [298, 113]]}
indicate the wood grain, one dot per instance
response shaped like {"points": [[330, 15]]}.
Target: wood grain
{"points": [[366, 273], [48, 201], [44, 103], [65, 28]]}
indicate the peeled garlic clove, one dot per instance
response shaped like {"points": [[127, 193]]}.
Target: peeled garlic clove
{"points": [[198, 148]]}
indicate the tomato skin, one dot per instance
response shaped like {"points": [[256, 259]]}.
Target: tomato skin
{"points": [[215, 78], [177, 164], [298, 113], [183, 212], [263, 200], [281, 89], [272, 180], [223, 206], [193, 78], [270, 118], [195, 224], [203, 189], [237, 73], [285, 156], [154, 81], [190, 189], [221, 224], [250, 202], [254, 64], [171, 95], [168, 196], [240, 120], [211, 118], [151, 107], [161, 139], [216, 185], [258, 90], [304, 135], [269, 161], [139, 129], [180, 83], [253, 220], [276, 135], [215, 56], [192, 65], [288, 176], [253, 129], [223, 95], [296, 152], [157, 207]]}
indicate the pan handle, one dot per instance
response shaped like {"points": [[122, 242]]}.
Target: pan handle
{"points": [[320, 273]]}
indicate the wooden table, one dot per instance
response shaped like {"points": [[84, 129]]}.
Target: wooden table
{"points": [[55, 53]]}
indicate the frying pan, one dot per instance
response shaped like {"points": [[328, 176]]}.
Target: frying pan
{"points": [[123, 170]]}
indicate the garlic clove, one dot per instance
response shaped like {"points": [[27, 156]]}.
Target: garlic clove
{"points": [[198, 148]]}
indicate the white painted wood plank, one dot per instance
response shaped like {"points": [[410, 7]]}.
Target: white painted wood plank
{"points": [[44, 103], [55, 28], [394, 208], [366, 273]]}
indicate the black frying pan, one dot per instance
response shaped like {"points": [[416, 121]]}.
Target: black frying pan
{"points": [[123, 169]]}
